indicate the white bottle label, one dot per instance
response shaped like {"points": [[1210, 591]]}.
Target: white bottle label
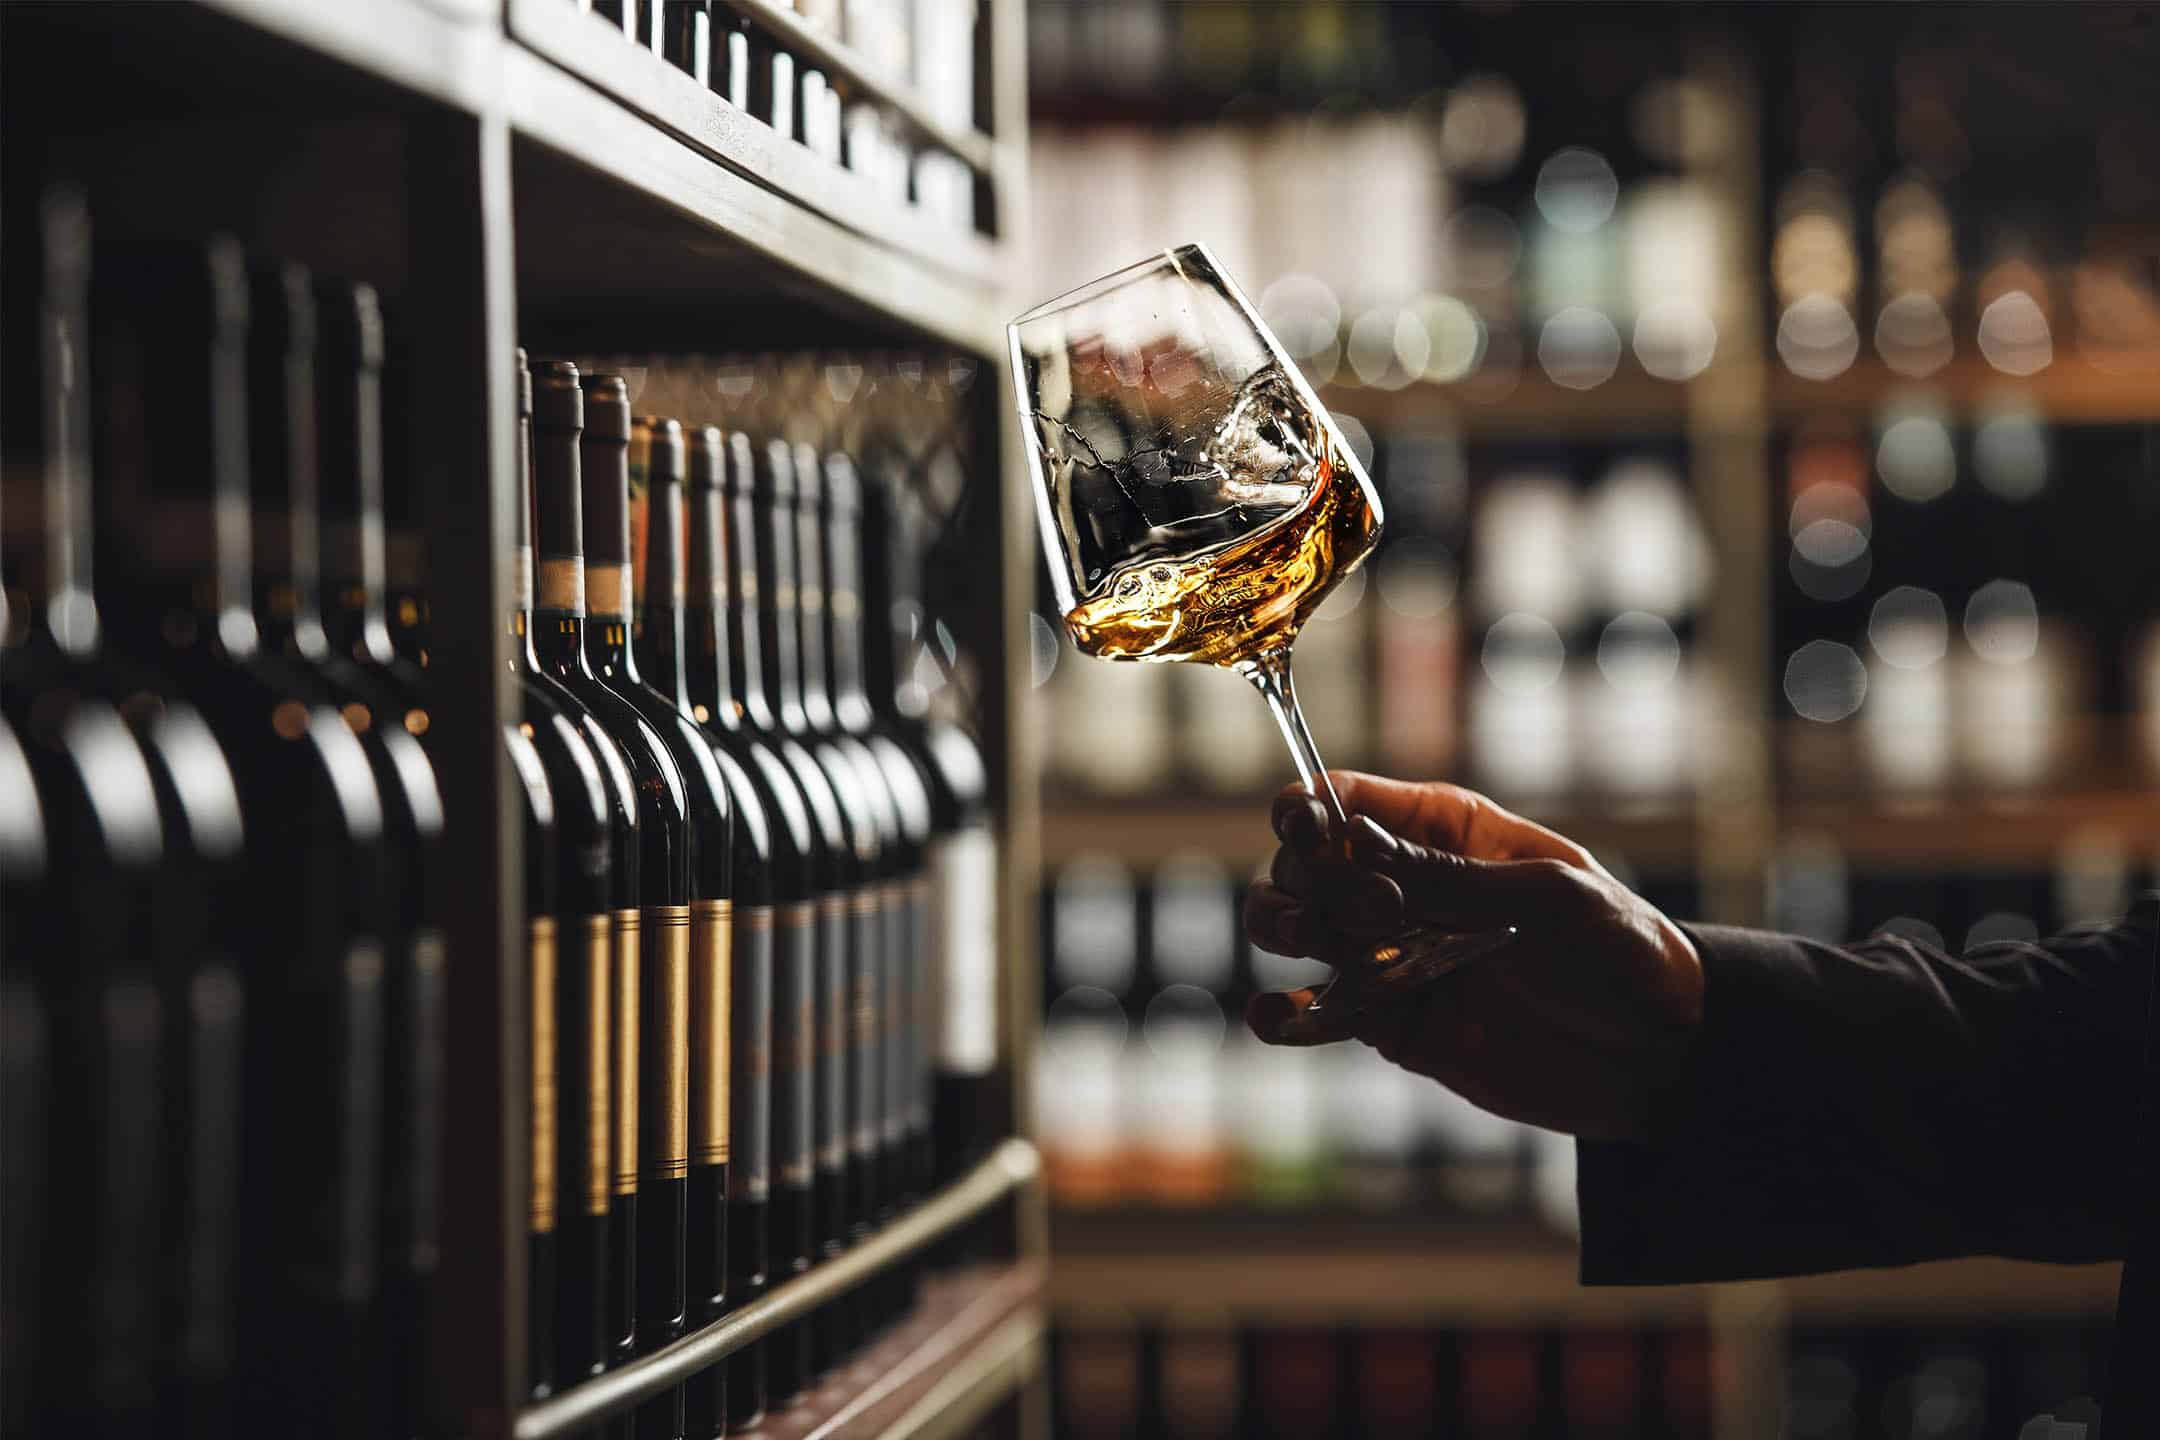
{"points": [[963, 937]]}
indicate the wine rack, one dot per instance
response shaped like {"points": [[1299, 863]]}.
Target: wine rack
{"points": [[517, 173]]}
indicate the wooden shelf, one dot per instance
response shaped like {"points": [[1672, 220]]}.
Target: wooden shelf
{"points": [[1529, 408], [640, 216], [1633, 403], [1148, 830], [1975, 830], [1010, 1168], [1204, 1267], [442, 49], [2072, 390], [815, 48], [588, 48], [976, 1337], [1959, 829]]}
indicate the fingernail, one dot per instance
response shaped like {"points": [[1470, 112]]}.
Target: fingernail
{"points": [[1369, 840]]}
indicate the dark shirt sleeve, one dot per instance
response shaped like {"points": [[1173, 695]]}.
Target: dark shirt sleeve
{"points": [[1884, 1103]]}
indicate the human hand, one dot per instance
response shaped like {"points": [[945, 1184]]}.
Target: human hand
{"points": [[1576, 1025]]}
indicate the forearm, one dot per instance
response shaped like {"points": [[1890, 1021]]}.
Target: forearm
{"points": [[1883, 1103]]}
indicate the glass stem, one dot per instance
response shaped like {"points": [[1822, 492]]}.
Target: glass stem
{"points": [[1269, 673]]}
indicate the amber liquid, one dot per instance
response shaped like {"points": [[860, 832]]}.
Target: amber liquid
{"points": [[1243, 599]]}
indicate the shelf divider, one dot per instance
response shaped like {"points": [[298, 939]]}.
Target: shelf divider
{"points": [[1009, 1168]]}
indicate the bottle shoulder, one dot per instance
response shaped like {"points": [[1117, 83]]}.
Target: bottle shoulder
{"points": [[294, 762], [92, 788], [643, 750], [373, 710], [197, 796]]}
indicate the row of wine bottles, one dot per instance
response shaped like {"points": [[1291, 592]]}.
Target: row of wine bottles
{"points": [[764, 933], [761, 889], [1384, 1381], [224, 972], [924, 46], [2022, 1376]]}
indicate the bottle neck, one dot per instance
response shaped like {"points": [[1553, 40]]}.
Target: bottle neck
{"points": [[558, 598], [779, 617], [523, 658], [352, 543], [709, 657], [284, 490], [171, 488], [745, 632], [886, 576], [606, 506], [67, 611], [845, 614], [810, 600], [662, 593]]}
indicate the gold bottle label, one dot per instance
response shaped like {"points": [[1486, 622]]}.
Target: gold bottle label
{"points": [[711, 1044], [540, 969], [599, 946], [626, 927], [667, 945]]}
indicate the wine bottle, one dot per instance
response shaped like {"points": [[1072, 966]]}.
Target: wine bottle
{"points": [[830, 597], [662, 645], [563, 645], [405, 596], [169, 328], [715, 686], [956, 1110], [764, 667], [310, 364], [599, 856], [610, 441], [902, 768], [88, 972], [536, 806], [686, 37], [94, 1361], [851, 927], [196, 1056], [25, 1069]]}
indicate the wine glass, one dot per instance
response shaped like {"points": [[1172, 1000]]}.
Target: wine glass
{"points": [[1196, 501]]}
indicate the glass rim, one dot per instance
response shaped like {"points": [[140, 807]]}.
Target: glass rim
{"points": [[1103, 284]]}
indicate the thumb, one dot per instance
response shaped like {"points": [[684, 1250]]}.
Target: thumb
{"points": [[1442, 886]]}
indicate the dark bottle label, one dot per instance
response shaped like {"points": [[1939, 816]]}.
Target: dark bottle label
{"points": [[902, 906], [751, 1098], [794, 1050], [831, 1120], [866, 960]]}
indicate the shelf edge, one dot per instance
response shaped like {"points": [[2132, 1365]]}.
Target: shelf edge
{"points": [[1009, 1168]]}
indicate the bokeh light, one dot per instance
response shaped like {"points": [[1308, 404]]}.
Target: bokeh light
{"points": [[1675, 339], [1825, 681], [1909, 627], [2002, 622], [1576, 189], [1816, 338], [1912, 334], [1914, 454], [1579, 348], [1523, 654], [2014, 334]]}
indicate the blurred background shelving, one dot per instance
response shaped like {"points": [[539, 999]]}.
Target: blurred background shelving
{"points": [[1763, 411]]}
